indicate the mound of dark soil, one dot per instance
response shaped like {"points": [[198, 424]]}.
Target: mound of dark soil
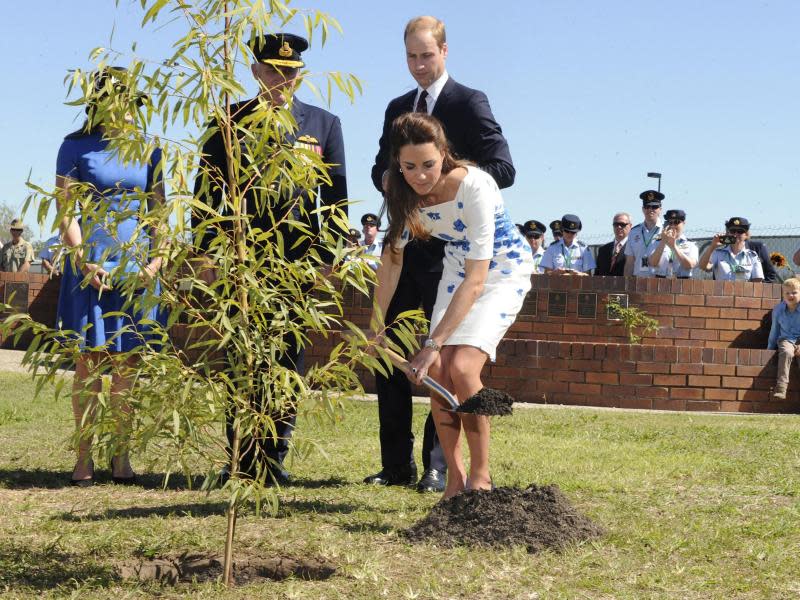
{"points": [[489, 402], [187, 568], [536, 517]]}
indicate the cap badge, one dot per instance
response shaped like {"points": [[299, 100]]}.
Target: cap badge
{"points": [[651, 196], [285, 50], [736, 221]]}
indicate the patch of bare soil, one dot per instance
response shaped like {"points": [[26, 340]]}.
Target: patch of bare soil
{"points": [[488, 402], [538, 517], [197, 567]]}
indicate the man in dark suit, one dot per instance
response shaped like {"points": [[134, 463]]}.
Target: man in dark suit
{"points": [[611, 256], [474, 135], [770, 274], [277, 68]]}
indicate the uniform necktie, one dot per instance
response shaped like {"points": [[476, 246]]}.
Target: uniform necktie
{"points": [[422, 103]]}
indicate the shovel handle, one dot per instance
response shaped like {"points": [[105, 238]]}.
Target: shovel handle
{"points": [[430, 383]]}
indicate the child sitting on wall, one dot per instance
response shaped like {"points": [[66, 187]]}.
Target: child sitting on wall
{"points": [[784, 336]]}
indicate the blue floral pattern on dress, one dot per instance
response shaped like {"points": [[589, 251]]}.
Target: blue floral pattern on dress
{"points": [[434, 216], [459, 225], [450, 288]]}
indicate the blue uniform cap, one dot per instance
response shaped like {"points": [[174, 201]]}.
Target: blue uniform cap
{"points": [[280, 49], [571, 223]]}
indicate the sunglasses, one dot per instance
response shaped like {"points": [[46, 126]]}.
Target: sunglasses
{"points": [[14, 230], [619, 224], [674, 221], [533, 236], [737, 231]]}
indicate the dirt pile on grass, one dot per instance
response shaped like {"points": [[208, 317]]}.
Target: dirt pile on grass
{"points": [[196, 567], [538, 517], [488, 402]]}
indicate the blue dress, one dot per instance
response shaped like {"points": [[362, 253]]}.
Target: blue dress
{"points": [[476, 226], [86, 158]]}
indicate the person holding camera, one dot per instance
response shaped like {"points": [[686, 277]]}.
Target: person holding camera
{"points": [[642, 237], [728, 255], [675, 255]]}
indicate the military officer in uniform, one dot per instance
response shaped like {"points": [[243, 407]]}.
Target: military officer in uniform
{"points": [[568, 256], [555, 229], [643, 238], [277, 70], [534, 232], [675, 255], [730, 258], [474, 135], [17, 253], [373, 247]]}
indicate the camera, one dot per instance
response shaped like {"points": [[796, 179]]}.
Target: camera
{"points": [[727, 239]]}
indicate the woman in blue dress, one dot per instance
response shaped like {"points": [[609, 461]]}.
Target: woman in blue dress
{"points": [[108, 246], [487, 273]]}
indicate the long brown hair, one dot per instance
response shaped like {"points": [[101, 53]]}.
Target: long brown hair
{"points": [[401, 200]]}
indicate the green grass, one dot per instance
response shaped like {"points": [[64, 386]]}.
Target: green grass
{"points": [[695, 506]]}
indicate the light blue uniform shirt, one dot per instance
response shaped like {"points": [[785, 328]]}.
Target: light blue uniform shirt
{"points": [[785, 325], [670, 266], [537, 261], [577, 256], [741, 267], [641, 243]]}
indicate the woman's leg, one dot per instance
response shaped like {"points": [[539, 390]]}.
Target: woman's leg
{"points": [[465, 371], [120, 384], [448, 427], [83, 404]]}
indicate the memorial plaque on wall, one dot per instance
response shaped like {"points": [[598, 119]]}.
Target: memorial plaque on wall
{"points": [[16, 294], [529, 306], [621, 300], [587, 305], [557, 304]]}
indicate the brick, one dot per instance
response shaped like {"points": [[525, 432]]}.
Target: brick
{"points": [[720, 394], [719, 300], [693, 300], [635, 379], [690, 322], [573, 376], [737, 382], [704, 334], [711, 369], [610, 378], [551, 387], [619, 391], [669, 310], [705, 405], [578, 329], [687, 368], [585, 365], [743, 302], [755, 371], [704, 380], [652, 391], [652, 367], [688, 393], [753, 395], [704, 311], [736, 406], [507, 372], [719, 323], [634, 402], [669, 380], [669, 404], [590, 389], [619, 366]]}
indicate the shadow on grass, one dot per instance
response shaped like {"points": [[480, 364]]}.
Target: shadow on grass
{"points": [[42, 478], [47, 568], [187, 509]]}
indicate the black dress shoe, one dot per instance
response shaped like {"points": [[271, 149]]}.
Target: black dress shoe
{"points": [[431, 481], [393, 477]]}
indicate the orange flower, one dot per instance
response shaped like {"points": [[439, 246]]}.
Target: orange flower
{"points": [[777, 259]]}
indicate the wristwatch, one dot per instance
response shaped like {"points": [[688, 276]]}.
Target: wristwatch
{"points": [[431, 343]]}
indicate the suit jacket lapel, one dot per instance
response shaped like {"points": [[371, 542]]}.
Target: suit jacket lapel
{"points": [[444, 96]]}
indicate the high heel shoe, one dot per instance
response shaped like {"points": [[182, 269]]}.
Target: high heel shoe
{"points": [[83, 483], [121, 480]]}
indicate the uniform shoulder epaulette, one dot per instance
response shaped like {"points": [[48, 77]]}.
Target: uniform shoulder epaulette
{"points": [[581, 244]]}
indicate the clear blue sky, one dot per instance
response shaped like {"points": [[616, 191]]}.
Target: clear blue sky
{"points": [[591, 95]]}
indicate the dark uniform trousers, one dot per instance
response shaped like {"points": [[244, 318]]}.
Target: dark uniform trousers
{"points": [[417, 286]]}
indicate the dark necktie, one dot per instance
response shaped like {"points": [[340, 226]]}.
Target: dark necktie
{"points": [[422, 103], [615, 256]]}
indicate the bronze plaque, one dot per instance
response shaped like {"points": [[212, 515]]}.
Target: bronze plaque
{"points": [[16, 294], [530, 305], [557, 304], [587, 305], [621, 300]]}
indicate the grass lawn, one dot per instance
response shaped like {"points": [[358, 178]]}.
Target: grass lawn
{"points": [[694, 506]]}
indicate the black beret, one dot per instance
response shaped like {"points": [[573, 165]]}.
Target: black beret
{"points": [[674, 214], [555, 227], [280, 49], [371, 219], [571, 223], [651, 197], [737, 222], [533, 226]]}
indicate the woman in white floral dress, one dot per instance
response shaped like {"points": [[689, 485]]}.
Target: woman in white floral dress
{"points": [[487, 269]]}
